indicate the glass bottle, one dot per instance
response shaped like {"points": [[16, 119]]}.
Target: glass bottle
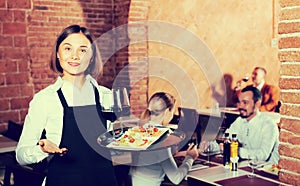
{"points": [[234, 152], [226, 151]]}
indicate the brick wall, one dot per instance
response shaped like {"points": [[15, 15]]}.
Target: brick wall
{"points": [[289, 56], [16, 86], [28, 30]]}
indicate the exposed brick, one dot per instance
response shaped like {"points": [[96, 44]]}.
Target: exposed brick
{"points": [[2, 79], [9, 115], [19, 103], [14, 28], [289, 137], [290, 14], [9, 91], [3, 126], [23, 66], [290, 125], [289, 42], [4, 104], [290, 110], [23, 114], [9, 66], [290, 97], [290, 69], [2, 4], [291, 165], [15, 53], [20, 41], [292, 179], [285, 3], [17, 78], [5, 16], [286, 28], [19, 4], [19, 16], [289, 56], [27, 90], [6, 41], [289, 83]]}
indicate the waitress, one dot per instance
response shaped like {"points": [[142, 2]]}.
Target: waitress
{"points": [[70, 112]]}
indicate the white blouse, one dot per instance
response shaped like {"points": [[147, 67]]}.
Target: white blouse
{"points": [[152, 166], [46, 112]]}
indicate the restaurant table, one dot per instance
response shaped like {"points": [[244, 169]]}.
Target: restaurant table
{"points": [[214, 173], [7, 144]]}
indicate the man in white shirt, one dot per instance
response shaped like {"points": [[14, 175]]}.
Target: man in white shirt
{"points": [[256, 132]]}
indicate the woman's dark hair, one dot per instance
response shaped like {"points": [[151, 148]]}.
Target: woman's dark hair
{"points": [[256, 93], [95, 66], [158, 103]]}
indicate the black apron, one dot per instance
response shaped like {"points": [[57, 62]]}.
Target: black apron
{"points": [[86, 163]]}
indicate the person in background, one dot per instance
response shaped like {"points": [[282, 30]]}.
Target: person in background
{"points": [[159, 113], [270, 93], [65, 110], [257, 134]]}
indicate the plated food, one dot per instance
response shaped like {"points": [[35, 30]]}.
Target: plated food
{"points": [[138, 137], [273, 169]]}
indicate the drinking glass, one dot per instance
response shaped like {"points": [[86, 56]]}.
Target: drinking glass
{"points": [[209, 149], [253, 163], [121, 105], [107, 101], [117, 129], [246, 78]]}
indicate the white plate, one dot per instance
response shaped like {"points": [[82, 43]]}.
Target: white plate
{"points": [[128, 146], [268, 169]]}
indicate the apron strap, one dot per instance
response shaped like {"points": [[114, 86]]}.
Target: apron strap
{"points": [[62, 98], [97, 98]]}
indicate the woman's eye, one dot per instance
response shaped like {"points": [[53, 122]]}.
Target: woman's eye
{"points": [[67, 48], [83, 50]]}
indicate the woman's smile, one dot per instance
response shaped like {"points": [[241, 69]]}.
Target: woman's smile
{"points": [[74, 64]]}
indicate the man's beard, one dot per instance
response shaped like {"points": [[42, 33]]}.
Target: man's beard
{"points": [[246, 116]]}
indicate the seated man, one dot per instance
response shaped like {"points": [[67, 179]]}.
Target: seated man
{"points": [[270, 93], [257, 134]]}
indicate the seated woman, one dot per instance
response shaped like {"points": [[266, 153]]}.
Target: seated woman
{"points": [[152, 166]]}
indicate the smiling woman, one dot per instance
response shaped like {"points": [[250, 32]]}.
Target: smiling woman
{"points": [[66, 109], [72, 55], [76, 49]]}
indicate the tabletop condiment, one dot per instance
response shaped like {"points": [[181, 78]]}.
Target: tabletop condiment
{"points": [[234, 153], [226, 151]]}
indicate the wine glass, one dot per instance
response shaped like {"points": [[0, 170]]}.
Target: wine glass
{"points": [[208, 150], [246, 78], [107, 101], [121, 104], [253, 163], [107, 106]]}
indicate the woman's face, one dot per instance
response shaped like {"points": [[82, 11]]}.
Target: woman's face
{"points": [[74, 55]]}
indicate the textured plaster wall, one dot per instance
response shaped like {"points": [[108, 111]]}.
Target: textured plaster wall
{"points": [[238, 33]]}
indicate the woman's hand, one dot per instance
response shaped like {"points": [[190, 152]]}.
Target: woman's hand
{"points": [[49, 147], [192, 151]]}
